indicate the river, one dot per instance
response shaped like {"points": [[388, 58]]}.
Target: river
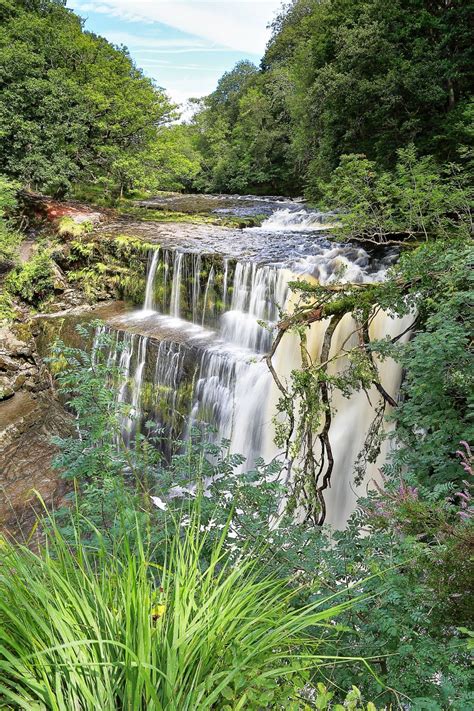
{"points": [[192, 355]]}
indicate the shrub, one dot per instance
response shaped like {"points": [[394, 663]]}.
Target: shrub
{"points": [[9, 238]]}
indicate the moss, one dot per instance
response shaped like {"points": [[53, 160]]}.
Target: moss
{"points": [[339, 307], [22, 331], [69, 228], [157, 215], [33, 281], [125, 244], [130, 286]]}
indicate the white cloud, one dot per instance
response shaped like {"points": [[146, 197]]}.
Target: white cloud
{"points": [[237, 24], [153, 43]]}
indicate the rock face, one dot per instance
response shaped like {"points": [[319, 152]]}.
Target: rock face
{"points": [[30, 415], [20, 366], [45, 207]]}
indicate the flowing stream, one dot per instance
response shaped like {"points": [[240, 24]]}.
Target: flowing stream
{"points": [[193, 355]]}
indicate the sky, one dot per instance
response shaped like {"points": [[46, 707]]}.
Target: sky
{"points": [[185, 45]]}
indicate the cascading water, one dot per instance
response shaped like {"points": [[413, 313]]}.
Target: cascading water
{"points": [[149, 302], [299, 221], [176, 287], [194, 353], [134, 415]]}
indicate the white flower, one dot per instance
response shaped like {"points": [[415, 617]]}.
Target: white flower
{"points": [[159, 503], [210, 525]]}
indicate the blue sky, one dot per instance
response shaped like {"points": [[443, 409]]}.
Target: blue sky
{"points": [[185, 45]]}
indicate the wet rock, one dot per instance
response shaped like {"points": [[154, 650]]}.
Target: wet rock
{"points": [[20, 366], [30, 415], [93, 217], [27, 424]]}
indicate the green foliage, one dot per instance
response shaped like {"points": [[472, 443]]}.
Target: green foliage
{"points": [[417, 547], [106, 265], [420, 550], [414, 201], [436, 412], [34, 281], [9, 238], [173, 162], [241, 135], [86, 626], [76, 108], [435, 409], [341, 78], [7, 309], [93, 453]]}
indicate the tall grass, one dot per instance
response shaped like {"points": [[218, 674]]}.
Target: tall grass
{"points": [[105, 629]]}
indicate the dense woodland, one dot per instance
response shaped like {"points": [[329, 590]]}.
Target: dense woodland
{"points": [[364, 107], [339, 78]]}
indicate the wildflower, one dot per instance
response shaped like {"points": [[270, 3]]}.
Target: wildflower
{"points": [[159, 503], [157, 611]]}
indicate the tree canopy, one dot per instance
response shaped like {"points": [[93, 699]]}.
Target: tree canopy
{"points": [[341, 77], [74, 107]]}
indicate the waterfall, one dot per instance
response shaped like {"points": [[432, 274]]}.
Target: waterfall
{"points": [[224, 287], [130, 426], [169, 372], [351, 416], [196, 287], [124, 367], [230, 394], [195, 357], [257, 293], [149, 302], [210, 281], [176, 287]]}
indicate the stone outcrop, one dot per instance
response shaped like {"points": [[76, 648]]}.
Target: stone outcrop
{"points": [[30, 415], [20, 366], [44, 207]]}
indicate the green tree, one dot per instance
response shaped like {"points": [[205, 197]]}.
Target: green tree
{"points": [[73, 106], [358, 77]]}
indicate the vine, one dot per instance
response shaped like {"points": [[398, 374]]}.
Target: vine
{"points": [[306, 399]]}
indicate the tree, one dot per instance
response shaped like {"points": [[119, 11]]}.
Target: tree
{"points": [[73, 106], [359, 76]]}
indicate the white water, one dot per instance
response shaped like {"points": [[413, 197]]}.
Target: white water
{"points": [[149, 302], [130, 427], [339, 263], [256, 295], [298, 221], [176, 287], [211, 341], [351, 417], [209, 285]]}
